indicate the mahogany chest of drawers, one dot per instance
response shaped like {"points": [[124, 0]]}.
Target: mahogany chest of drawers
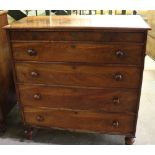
{"points": [[80, 73], [7, 88]]}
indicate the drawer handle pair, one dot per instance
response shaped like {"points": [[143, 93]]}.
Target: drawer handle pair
{"points": [[118, 77], [115, 124], [120, 53], [31, 52], [40, 118]]}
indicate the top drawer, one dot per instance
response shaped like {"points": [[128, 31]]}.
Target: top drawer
{"points": [[102, 36], [78, 52]]}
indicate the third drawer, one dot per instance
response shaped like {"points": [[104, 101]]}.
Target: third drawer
{"points": [[109, 100]]}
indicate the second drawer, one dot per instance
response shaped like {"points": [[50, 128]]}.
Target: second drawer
{"points": [[79, 52], [109, 100], [78, 75]]}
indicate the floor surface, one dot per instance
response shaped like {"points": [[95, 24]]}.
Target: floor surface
{"points": [[145, 126]]}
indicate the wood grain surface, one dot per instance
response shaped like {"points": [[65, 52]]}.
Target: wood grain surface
{"points": [[81, 22], [80, 120], [7, 91], [105, 53], [78, 75], [109, 100]]}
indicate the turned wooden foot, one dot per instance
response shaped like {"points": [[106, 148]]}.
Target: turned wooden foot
{"points": [[2, 126], [28, 133], [129, 140]]}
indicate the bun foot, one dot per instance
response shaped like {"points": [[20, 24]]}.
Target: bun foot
{"points": [[2, 126], [28, 133], [129, 140]]}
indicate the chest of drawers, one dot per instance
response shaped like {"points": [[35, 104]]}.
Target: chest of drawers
{"points": [[80, 73]]}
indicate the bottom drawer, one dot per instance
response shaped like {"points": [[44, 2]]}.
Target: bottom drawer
{"points": [[80, 120]]}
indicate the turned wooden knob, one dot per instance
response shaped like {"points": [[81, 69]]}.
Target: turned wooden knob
{"points": [[115, 124], [116, 100], [40, 118], [37, 96], [118, 77], [120, 53], [34, 74], [31, 52]]}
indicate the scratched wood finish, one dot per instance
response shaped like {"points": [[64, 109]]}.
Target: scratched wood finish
{"points": [[7, 92], [85, 52], [109, 100], [80, 120], [77, 75]]}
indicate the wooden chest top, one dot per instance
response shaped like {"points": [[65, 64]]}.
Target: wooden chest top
{"points": [[81, 22]]}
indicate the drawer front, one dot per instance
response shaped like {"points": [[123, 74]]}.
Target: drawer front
{"points": [[78, 36], [78, 52], [110, 100], [80, 120], [78, 75]]}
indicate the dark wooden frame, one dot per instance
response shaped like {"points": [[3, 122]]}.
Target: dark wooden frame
{"points": [[7, 88]]}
